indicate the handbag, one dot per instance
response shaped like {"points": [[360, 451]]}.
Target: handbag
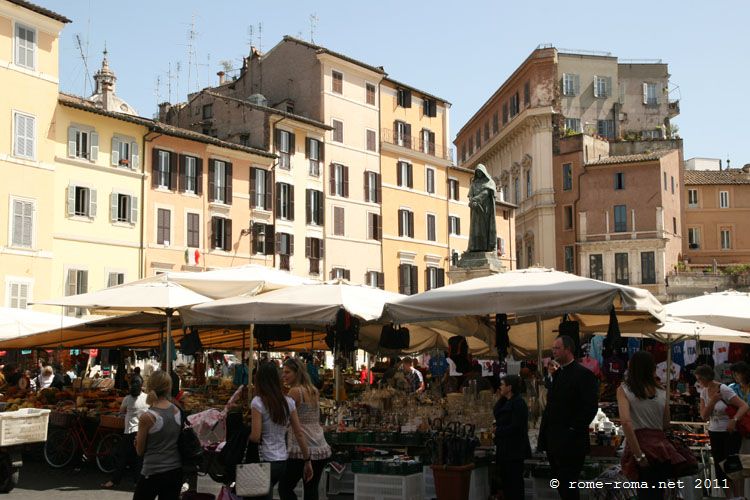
{"points": [[743, 424], [253, 479]]}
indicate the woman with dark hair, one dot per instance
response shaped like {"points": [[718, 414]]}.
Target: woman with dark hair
{"points": [[272, 413], [512, 435], [741, 387], [715, 397], [307, 399]]}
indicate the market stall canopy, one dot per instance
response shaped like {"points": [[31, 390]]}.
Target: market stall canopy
{"points": [[729, 309], [313, 304], [678, 329], [533, 291], [16, 322], [433, 335]]}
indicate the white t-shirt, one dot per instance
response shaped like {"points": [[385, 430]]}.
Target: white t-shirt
{"points": [[273, 435], [719, 418], [452, 368], [44, 381], [661, 371], [133, 408], [721, 352]]}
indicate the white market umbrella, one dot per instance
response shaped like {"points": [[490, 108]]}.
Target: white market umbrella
{"points": [[16, 322], [433, 335], [729, 309]]}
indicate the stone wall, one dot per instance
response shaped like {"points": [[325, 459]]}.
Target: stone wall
{"points": [[686, 285]]}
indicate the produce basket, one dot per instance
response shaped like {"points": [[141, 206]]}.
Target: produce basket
{"points": [[27, 425], [61, 419], [112, 421]]}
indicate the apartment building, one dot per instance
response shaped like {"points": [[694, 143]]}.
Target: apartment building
{"points": [[618, 217], [717, 217], [29, 51], [555, 93]]}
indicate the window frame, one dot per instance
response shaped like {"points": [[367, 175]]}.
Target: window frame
{"points": [[196, 232], [160, 228], [725, 238], [429, 180], [723, 199], [692, 198], [431, 227], [370, 134], [338, 212], [19, 282], [622, 227], [622, 275], [337, 82], [648, 265], [619, 181], [368, 94], [694, 238], [568, 222], [84, 201], [27, 117], [17, 46], [453, 188], [220, 182], [12, 223], [454, 225], [569, 259], [596, 266], [337, 134], [567, 177]]}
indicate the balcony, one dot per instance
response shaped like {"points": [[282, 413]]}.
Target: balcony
{"points": [[417, 144], [674, 107], [284, 262]]}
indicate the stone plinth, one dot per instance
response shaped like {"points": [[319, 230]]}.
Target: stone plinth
{"points": [[475, 265]]}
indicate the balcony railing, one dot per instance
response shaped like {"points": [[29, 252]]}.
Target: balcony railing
{"points": [[417, 143], [284, 262]]}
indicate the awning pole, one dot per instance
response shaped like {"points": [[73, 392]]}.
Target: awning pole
{"points": [[168, 349], [539, 344]]}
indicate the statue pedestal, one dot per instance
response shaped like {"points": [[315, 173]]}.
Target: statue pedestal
{"points": [[475, 265]]}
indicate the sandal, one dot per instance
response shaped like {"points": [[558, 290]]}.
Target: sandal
{"points": [[107, 486]]}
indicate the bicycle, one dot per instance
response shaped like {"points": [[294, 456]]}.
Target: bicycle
{"points": [[63, 443]]}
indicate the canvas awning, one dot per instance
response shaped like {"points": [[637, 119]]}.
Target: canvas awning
{"points": [[729, 309]]}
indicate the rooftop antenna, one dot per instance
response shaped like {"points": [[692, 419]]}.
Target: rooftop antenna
{"points": [[313, 24], [178, 67], [192, 54], [169, 83], [157, 90], [84, 58], [260, 37], [207, 64], [250, 36]]}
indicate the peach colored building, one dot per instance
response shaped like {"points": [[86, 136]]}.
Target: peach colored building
{"points": [[717, 217]]}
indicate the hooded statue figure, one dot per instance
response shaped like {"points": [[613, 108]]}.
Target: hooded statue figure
{"points": [[482, 232]]}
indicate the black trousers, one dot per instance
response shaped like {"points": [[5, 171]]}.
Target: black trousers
{"points": [[511, 475], [125, 456], [653, 474], [292, 476], [567, 469], [723, 444], [164, 486]]}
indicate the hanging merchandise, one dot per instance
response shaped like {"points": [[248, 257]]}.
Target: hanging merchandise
{"points": [[502, 340], [634, 345], [394, 338], [572, 329], [613, 340], [678, 353], [343, 335], [273, 333], [458, 351], [171, 349], [191, 342], [721, 352], [595, 350]]}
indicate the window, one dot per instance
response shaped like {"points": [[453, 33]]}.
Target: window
{"points": [[408, 279], [337, 82], [115, 278], [505, 113], [619, 180], [123, 208], [24, 136], [77, 283], [19, 294], [692, 198], [518, 254], [163, 226], [193, 230], [434, 278], [495, 123], [602, 86], [569, 259], [479, 137], [338, 221], [429, 107], [374, 227], [723, 199], [529, 254], [694, 238], [430, 180], [622, 276], [402, 134], [571, 84], [189, 174], [284, 201], [596, 268], [431, 229], [315, 156], [314, 251], [285, 148], [427, 141], [665, 180], [339, 180], [454, 225], [22, 223], [124, 153], [315, 209], [471, 146], [649, 94], [208, 111], [517, 190], [606, 128], [529, 190], [338, 130], [573, 124], [81, 201], [220, 181], [648, 268], [370, 94], [726, 239], [285, 244], [651, 134], [568, 217], [526, 94], [463, 153], [263, 239], [406, 223], [486, 131], [83, 144], [567, 176], [672, 178], [244, 139], [515, 105], [25, 46], [371, 140], [674, 225], [221, 233], [260, 189], [340, 273], [621, 218], [375, 279], [453, 189], [501, 246], [162, 175], [403, 98], [404, 174], [372, 187]]}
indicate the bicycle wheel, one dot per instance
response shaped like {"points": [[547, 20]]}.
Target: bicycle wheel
{"points": [[106, 452], [60, 448]]}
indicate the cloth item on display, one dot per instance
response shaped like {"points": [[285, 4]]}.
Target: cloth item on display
{"points": [[486, 368], [690, 352], [572, 329], [661, 371], [634, 345], [458, 351], [496, 368], [595, 349], [438, 365], [657, 349], [678, 353], [502, 340], [592, 365], [513, 367], [394, 338], [613, 339], [164, 348], [240, 374], [191, 342], [723, 373], [614, 369], [721, 352], [452, 370], [736, 352], [705, 353]]}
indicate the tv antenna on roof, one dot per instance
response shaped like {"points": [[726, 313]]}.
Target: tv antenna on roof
{"points": [[84, 58], [313, 24]]}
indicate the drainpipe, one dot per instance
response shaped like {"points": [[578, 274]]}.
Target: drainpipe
{"points": [[273, 191], [575, 211], [142, 246]]}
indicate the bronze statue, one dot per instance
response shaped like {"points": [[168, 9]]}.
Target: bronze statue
{"points": [[482, 231]]}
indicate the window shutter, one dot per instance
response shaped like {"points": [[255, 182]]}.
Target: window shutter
{"points": [[270, 240], [94, 151], [72, 142], [427, 279], [228, 234], [432, 143], [411, 224], [433, 108], [395, 132], [381, 281], [645, 93], [181, 165], [379, 192], [401, 222], [291, 245], [332, 180], [154, 168], [458, 226], [414, 285], [347, 275], [321, 248], [402, 278], [71, 200], [399, 175], [307, 248], [346, 182], [291, 202], [292, 145], [367, 186], [410, 178], [228, 183], [321, 150], [407, 130], [113, 205], [211, 180], [278, 199], [321, 208], [267, 204], [92, 203], [253, 176], [133, 209], [17, 222], [277, 246], [576, 84], [308, 205], [608, 86], [135, 157], [173, 171], [72, 282], [407, 98], [115, 156], [307, 147], [379, 227], [440, 278], [277, 139]]}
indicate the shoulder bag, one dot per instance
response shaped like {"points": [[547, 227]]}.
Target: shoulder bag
{"points": [[743, 424], [254, 478]]}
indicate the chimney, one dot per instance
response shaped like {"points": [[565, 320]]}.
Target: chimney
{"points": [[221, 77], [728, 167], [746, 168], [164, 109]]}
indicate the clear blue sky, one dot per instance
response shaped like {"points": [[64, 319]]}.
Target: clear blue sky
{"points": [[461, 51]]}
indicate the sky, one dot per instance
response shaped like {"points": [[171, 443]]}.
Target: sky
{"points": [[460, 51]]}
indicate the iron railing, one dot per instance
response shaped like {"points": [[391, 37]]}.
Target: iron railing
{"points": [[416, 144]]}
